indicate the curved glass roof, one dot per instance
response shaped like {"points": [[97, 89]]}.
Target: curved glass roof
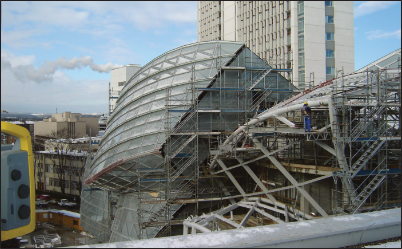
{"points": [[136, 126]]}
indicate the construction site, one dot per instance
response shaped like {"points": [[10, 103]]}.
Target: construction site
{"points": [[208, 136]]}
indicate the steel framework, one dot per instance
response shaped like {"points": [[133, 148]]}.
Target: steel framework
{"points": [[175, 147]]}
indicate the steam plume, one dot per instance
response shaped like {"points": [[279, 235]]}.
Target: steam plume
{"points": [[46, 71]]}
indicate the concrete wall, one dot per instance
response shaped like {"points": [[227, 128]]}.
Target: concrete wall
{"points": [[344, 36], [229, 20], [92, 126], [44, 128], [314, 41]]}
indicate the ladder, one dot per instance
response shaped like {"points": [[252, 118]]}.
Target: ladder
{"points": [[265, 72], [260, 99], [366, 192], [182, 146], [182, 123], [367, 155], [180, 170], [363, 124]]}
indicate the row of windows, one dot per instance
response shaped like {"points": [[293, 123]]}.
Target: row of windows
{"points": [[67, 184]]}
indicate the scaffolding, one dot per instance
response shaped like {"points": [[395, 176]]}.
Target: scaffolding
{"points": [[211, 124]]}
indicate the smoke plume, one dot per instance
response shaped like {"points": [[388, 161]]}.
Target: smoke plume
{"points": [[46, 71]]}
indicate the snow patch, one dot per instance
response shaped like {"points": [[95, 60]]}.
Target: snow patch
{"points": [[298, 225], [396, 244], [347, 218], [374, 214]]}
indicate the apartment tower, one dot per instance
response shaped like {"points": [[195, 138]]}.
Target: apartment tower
{"points": [[313, 38], [119, 77]]}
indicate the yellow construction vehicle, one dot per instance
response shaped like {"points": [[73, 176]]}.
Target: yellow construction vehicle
{"points": [[18, 184]]}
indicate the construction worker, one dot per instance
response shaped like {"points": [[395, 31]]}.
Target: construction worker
{"points": [[306, 111]]}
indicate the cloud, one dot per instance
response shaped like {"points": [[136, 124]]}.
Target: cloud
{"points": [[76, 14], [84, 96], [46, 71], [53, 13], [369, 7], [381, 34]]}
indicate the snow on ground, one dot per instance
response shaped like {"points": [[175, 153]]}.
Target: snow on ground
{"points": [[396, 244]]}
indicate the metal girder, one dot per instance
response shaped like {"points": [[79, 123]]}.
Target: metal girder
{"points": [[231, 177], [249, 213], [208, 217], [255, 178], [326, 147], [225, 190], [230, 222], [279, 221], [289, 177], [286, 121], [253, 160]]}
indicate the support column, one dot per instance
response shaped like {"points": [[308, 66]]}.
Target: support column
{"points": [[289, 177]]}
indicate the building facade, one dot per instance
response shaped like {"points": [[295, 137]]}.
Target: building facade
{"points": [[119, 77], [74, 124], [313, 38], [59, 171]]}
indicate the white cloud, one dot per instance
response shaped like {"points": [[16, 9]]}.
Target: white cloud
{"points": [[381, 34], [76, 14], [48, 13], [45, 72], [369, 7], [63, 93], [17, 60]]}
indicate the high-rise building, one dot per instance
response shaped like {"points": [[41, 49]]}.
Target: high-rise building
{"points": [[313, 38], [119, 77]]}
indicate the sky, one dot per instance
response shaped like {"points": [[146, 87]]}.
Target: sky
{"points": [[59, 54]]}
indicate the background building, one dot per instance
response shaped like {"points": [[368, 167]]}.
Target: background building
{"points": [[119, 77], [60, 166], [313, 38], [74, 125]]}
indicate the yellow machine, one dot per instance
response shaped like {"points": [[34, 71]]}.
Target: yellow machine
{"points": [[17, 184]]}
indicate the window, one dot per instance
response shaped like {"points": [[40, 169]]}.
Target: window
{"points": [[301, 42], [301, 76], [75, 222], [330, 53], [328, 3], [121, 83], [329, 19], [329, 36], [300, 7], [331, 70], [48, 168], [56, 182], [301, 59], [301, 25], [50, 181], [66, 184]]}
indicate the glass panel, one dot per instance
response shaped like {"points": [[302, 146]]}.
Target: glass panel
{"points": [[329, 36], [329, 19], [330, 53], [331, 70], [328, 3], [301, 25]]}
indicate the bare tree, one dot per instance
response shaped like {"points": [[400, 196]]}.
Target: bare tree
{"points": [[67, 157]]}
